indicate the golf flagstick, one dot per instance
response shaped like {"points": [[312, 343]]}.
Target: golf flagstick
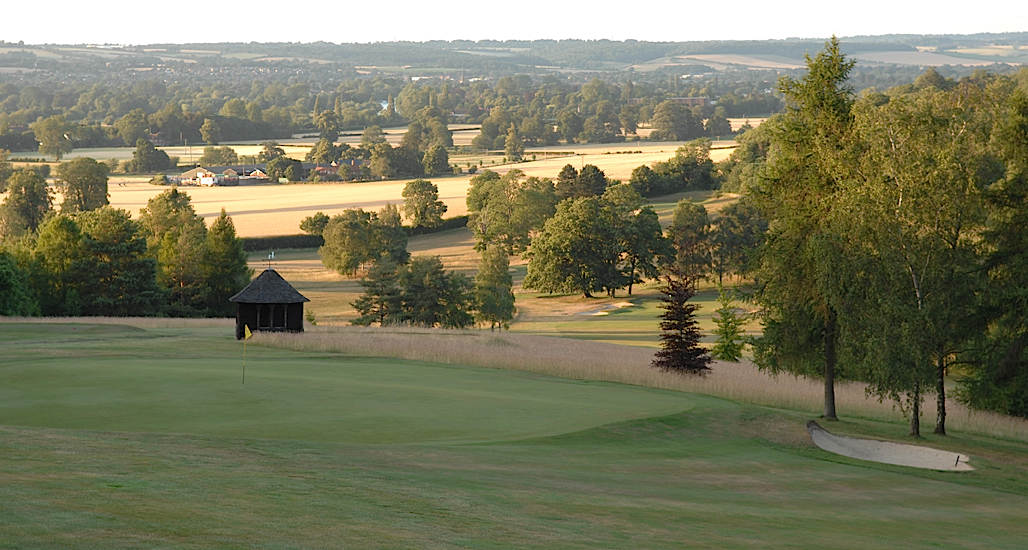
{"points": [[246, 336]]}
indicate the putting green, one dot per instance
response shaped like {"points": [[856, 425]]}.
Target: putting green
{"points": [[125, 379]]}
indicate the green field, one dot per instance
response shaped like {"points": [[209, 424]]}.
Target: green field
{"points": [[120, 437]]}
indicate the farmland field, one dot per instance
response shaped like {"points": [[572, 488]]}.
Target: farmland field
{"points": [[925, 58], [261, 210], [118, 436]]}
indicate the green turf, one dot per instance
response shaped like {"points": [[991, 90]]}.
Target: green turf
{"points": [[566, 465], [147, 381], [635, 326]]}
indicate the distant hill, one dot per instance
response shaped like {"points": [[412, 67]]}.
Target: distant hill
{"points": [[508, 57]]}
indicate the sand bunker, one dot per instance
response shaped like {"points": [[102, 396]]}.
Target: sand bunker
{"points": [[886, 452], [606, 309]]}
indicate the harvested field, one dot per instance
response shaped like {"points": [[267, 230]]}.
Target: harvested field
{"points": [[934, 59], [753, 61], [261, 210]]}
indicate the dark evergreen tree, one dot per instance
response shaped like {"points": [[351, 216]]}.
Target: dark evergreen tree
{"points": [[380, 302], [432, 297], [225, 269], [493, 286], [566, 182], [114, 276], [680, 337], [15, 293], [419, 294]]}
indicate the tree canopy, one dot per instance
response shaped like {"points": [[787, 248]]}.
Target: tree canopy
{"points": [[421, 204], [83, 182]]}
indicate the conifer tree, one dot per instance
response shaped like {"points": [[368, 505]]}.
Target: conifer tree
{"points": [[729, 344], [493, 288], [225, 268], [680, 337], [380, 301]]}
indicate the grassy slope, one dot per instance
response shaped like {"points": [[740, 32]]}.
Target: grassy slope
{"points": [[695, 472]]}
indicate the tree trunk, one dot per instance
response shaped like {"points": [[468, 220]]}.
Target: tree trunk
{"points": [[631, 278], [830, 327], [940, 388], [915, 413]]}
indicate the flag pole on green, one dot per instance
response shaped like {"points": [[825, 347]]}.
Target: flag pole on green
{"points": [[246, 336]]}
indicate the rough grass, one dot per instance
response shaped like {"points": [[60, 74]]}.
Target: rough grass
{"points": [[585, 360]]}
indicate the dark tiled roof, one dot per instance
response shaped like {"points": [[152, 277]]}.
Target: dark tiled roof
{"points": [[269, 288]]}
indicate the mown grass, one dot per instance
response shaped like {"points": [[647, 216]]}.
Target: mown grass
{"points": [[590, 360], [327, 450], [130, 379]]}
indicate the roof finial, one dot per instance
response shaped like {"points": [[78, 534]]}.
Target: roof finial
{"points": [[271, 258]]}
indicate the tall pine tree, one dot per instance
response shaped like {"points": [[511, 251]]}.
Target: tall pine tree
{"points": [[680, 337]]}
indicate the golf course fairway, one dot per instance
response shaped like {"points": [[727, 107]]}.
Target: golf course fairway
{"points": [[120, 437]]}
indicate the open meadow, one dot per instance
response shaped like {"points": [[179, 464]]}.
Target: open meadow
{"points": [[140, 434]]}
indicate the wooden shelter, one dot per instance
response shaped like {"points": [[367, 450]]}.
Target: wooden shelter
{"points": [[270, 304]]}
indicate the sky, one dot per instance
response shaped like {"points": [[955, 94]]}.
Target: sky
{"points": [[192, 21]]}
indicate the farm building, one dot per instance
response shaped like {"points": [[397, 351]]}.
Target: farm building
{"points": [[269, 303], [195, 176]]}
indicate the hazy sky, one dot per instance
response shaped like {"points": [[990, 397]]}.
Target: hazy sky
{"points": [[136, 22]]}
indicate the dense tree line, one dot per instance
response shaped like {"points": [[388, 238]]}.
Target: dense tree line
{"points": [[91, 259], [110, 102], [893, 254], [540, 110]]}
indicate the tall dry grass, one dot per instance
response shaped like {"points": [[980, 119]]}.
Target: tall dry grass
{"points": [[138, 322], [585, 360]]}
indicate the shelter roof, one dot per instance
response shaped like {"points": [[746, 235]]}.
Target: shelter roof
{"points": [[269, 288]]}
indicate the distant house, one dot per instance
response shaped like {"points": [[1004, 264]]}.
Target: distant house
{"points": [[196, 173], [223, 175], [325, 169], [255, 177], [196, 176], [349, 168], [269, 304], [236, 169]]}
